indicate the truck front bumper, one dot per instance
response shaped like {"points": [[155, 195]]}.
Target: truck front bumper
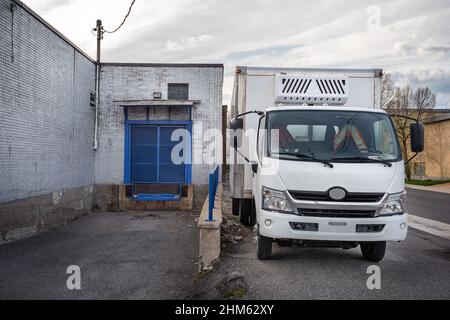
{"points": [[332, 229]]}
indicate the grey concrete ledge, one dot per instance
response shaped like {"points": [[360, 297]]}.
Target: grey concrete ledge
{"points": [[210, 242], [163, 65]]}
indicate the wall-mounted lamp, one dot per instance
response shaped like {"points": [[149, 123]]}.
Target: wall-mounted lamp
{"points": [[157, 95]]}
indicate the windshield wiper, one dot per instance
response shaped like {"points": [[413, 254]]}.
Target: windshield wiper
{"points": [[305, 156], [387, 163]]}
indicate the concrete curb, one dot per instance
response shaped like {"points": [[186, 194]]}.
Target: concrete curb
{"points": [[431, 189], [210, 244]]}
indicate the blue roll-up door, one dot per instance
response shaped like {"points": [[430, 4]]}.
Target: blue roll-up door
{"points": [[151, 155]]}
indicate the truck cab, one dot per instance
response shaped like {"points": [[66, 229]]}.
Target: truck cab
{"points": [[324, 172]]}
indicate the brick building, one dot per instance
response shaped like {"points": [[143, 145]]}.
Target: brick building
{"points": [[49, 171], [188, 97], [434, 162]]}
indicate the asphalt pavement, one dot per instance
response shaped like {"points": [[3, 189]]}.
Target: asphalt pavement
{"points": [[417, 268], [145, 255], [429, 204], [153, 255]]}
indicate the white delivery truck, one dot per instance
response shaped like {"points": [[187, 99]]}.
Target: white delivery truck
{"points": [[316, 161]]}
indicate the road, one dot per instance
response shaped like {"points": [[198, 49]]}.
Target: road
{"points": [[417, 268], [428, 204], [153, 256]]}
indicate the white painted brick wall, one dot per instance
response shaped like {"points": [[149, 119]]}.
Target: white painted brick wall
{"points": [[139, 83], [46, 123]]}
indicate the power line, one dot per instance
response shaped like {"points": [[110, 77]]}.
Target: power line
{"points": [[100, 31], [124, 19]]}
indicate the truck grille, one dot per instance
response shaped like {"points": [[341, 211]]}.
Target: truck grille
{"points": [[334, 213], [323, 196]]}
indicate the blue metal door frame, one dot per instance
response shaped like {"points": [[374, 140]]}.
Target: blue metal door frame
{"points": [[127, 167]]}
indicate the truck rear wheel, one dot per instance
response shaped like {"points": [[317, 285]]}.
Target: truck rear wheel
{"points": [[263, 247], [247, 213], [373, 251], [235, 206]]}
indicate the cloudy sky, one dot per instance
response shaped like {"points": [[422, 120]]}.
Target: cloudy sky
{"points": [[408, 38]]}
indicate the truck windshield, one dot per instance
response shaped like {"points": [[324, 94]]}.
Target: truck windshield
{"points": [[336, 136]]}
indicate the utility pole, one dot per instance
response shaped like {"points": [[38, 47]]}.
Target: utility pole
{"points": [[100, 32], [99, 29]]}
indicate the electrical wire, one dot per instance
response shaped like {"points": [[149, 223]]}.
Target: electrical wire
{"points": [[124, 19]]}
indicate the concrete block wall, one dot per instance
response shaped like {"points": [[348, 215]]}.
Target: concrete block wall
{"points": [[138, 82], [46, 130]]}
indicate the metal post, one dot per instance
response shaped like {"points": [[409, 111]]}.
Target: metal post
{"points": [[99, 29], [211, 197]]}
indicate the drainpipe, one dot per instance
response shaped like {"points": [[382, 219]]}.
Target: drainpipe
{"points": [[99, 30]]}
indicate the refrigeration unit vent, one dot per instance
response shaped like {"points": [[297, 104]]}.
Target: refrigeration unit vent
{"points": [[311, 90]]}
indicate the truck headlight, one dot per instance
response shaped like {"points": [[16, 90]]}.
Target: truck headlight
{"points": [[275, 200], [393, 205]]}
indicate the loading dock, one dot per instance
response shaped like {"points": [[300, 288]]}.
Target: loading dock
{"points": [[158, 153]]}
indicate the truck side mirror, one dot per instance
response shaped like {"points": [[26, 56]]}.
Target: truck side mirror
{"points": [[417, 137], [235, 142], [255, 167], [237, 124]]}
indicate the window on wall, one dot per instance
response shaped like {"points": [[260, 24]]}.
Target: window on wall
{"points": [[178, 91]]}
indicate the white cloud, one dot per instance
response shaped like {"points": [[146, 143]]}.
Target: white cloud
{"points": [[188, 42], [412, 40]]}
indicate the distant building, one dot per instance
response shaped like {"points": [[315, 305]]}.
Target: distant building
{"points": [[434, 162]]}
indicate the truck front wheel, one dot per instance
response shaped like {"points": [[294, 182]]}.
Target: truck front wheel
{"points": [[263, 247], [373, 251]]}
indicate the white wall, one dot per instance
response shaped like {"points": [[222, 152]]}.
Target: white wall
{"points": [[46, 121]]}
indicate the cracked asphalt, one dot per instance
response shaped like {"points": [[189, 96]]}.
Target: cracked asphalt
{"points": [[121, 255]]}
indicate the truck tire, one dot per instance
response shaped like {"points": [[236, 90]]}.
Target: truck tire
{"points": [[253, 214], [245, 212], [235, 206], [373, 251], [263, 247]]}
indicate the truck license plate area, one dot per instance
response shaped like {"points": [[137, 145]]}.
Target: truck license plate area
{"points": [[337, 224]]}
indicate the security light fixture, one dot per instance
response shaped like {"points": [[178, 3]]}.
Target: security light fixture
{"points": [[92, 99], [157, 95]]}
